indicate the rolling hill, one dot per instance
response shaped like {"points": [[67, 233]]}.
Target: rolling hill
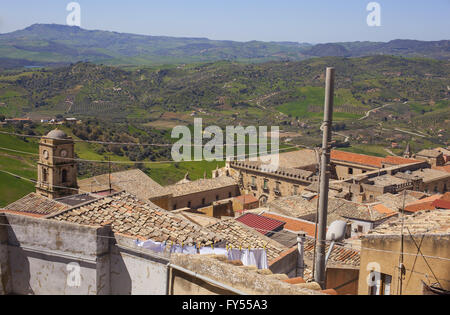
{"points": [[52, 44]]}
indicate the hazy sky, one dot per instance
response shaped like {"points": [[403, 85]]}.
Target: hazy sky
{"points": [[313, 21]]}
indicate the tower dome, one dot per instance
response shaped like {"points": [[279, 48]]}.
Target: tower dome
{"points": [[56, 134]]}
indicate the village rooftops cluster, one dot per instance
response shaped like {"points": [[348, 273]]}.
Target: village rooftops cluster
{"points": [[281, 171], [299, 207], [238, 235], [370, 161], [35, 205], [131, 216], [197, 186], [133, 181], [423, 222]]}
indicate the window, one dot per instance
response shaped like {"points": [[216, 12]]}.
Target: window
{"points": [[253, 181], [189, 204], [266, 184], [64, 176], [203, 201], [360, 228], [44, 175], [229, 194], [217, 197], [295, 190], [382, 286], [175, 207], [350, 171], [277, 186]]}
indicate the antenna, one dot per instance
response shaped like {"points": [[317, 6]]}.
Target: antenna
{"points": [[400, 265], [109, 174]]}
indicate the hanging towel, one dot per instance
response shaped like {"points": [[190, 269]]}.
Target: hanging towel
{"points": [[234, 254], [176, 249], [206, 251], [189, 250], [248, 258], [260, 257], [210, 251], [220, 251]]}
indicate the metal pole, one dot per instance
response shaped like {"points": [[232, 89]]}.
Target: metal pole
{"points": [[301, 253], [319, 269]]}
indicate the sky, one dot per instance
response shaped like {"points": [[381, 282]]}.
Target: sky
{"points": [[312, 21]]}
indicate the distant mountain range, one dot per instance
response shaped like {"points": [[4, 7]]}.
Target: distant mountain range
{"points": [[52, 44]]}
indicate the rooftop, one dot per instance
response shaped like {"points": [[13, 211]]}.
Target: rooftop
{"points": [[297, 207], [397, 160], [429, 175], [239, 235], [244, 278], [281, 170], [56, 134], [423, 222], [395, 202], [262, 224], [365, 160], [133, 181], [36, 204], [246, 199], [294, 225], [445, 168], [428, 203], [429, 153], [199, 186], [388, 180], [76, 200], [129, 215]]}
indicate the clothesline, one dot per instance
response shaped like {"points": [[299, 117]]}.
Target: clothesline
{"points": [[248, 257]]}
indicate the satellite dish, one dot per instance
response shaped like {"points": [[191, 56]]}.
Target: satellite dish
{"points": [[336, 231]]}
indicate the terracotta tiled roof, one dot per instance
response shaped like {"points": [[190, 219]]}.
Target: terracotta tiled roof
{"points": [[131, 216], [445, 168], [383, 209], [441, 204], [261, 223], [422, 204], [423, 222], [340, 255], [239, 235], [430, 175], [36, 204], [134, 181], [246, 199], [298, 207], [199, 186], [395, 202], [294, 225], [397, 160], [361, 159]]}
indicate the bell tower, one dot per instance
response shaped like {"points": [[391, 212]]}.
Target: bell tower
{"points": [[57, 169]]}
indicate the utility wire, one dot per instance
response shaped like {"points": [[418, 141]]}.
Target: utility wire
{"points": [[145, 162], [133, 143]]}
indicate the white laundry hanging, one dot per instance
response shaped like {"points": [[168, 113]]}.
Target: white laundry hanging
{"points": [[252, 257], [209, 251], [153, 246]]}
